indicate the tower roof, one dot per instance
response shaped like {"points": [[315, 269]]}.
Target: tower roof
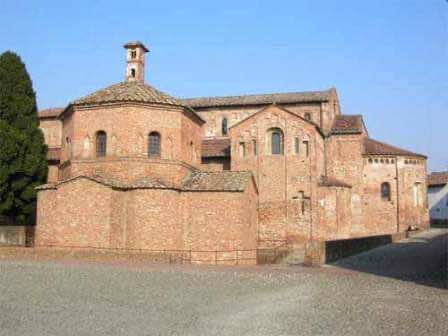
{"points": [[135, 44], [128, 92]]}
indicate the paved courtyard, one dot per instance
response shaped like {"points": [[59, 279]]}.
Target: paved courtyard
{"points": [[392, 290]]}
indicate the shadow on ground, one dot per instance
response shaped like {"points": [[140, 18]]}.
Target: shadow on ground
{"points": [[422, 259]]}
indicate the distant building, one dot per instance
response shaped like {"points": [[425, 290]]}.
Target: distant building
{"points": [[438, 196], [132, 167]]}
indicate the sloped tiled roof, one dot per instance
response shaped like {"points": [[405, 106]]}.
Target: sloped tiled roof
{"points": [[216, 147], [53, 154], [374, 147], [145, 183], [198, 181], [50, 113], [347, 124], [128, 92], [437, 179], [327, 181], [217, 181], [259, 99]]}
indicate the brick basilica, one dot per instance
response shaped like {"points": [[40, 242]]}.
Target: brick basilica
{"points": [[131, 167]]}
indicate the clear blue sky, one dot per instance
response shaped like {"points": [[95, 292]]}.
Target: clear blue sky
{"points": [[387, 58]]}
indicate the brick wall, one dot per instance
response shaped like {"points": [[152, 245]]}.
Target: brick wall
{"points": [[285, 182], [85, 213], [214, 116], [334, 220], [52, 129]]}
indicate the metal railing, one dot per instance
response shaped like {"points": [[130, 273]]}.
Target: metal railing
{"points": [[173, 256]]}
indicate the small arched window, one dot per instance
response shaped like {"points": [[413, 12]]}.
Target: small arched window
{"points": [[276, 141], [101, 143], [224, 126], [133, 73], [308, 116], [154, 144], [385, 191]]}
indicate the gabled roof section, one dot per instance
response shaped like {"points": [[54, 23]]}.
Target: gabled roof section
{"points": [[50, 112], [374, 147], [437, 179], [347, 124], [216, 147], [128, 92], [217, 181], [260, 99], [282, 109]]}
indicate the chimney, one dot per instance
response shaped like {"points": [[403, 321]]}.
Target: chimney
{"points": [[135, 59]]}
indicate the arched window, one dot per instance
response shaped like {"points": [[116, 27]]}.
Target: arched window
{"points": [[276, 141], [224, 127], [154, 144], [101, 143], [385, 191], [133, 73], [308, 116]]}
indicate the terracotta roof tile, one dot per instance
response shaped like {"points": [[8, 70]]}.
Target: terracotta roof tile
{"points": [[128, 92], [217, 181], [198, 181], [216, 147], [373, 147], [145, 183], [347, 124], [259, 99], [53, 154], [437, 179], [327, 181], [50, 113]]}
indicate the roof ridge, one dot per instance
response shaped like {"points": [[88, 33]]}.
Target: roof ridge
{"points": [[128, 91], [260, 98], [349, 115], [257, 94]]}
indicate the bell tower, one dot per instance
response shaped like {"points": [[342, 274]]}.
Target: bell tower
{"points": [[135, 59]]}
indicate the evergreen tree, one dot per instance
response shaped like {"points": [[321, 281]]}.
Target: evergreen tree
{"points": [[23, 164]]}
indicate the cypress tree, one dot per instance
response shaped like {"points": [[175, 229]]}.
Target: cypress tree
{"points": [[23, 164]]}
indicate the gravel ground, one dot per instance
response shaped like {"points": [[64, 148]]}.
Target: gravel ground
{"points": [[357, 296]]}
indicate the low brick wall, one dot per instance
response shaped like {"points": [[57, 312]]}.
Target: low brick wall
{"points": [[343, 248], [13, 235], [319, 252]]}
